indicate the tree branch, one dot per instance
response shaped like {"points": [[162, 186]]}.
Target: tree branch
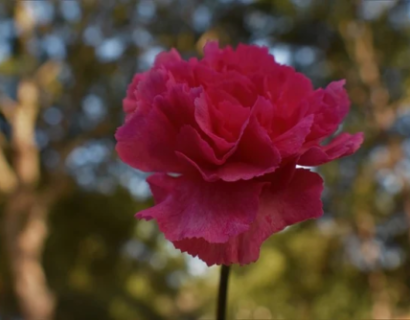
{"points": [[26, 157], [7, 106], [8, 180]]}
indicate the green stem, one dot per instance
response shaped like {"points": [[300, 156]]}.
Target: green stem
{"points": [[223, 293]]}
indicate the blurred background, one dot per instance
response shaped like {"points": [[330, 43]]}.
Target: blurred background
{"points": [[70, 246]]}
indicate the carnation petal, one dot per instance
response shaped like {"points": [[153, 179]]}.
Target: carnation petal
{"points": [[330, 106], [130, 101], [152, 86], [181, 72], [253, 156], [339, 95], [179, 105], [290, 142], [207, 117], [161, 186], [264, 111], [343, 145], [189, 207], [165, 58], [193, 146], [211, 49], [246, 59], [295, 89], [279, 207], [147, 142]]}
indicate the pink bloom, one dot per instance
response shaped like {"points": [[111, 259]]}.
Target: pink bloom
{"points": [[233, 125]]}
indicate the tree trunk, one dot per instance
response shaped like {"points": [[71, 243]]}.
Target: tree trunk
{"points": [[25, 230], [25, 216]]}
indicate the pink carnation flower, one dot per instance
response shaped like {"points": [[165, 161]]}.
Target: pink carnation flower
{"points": [[233, 126]]}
